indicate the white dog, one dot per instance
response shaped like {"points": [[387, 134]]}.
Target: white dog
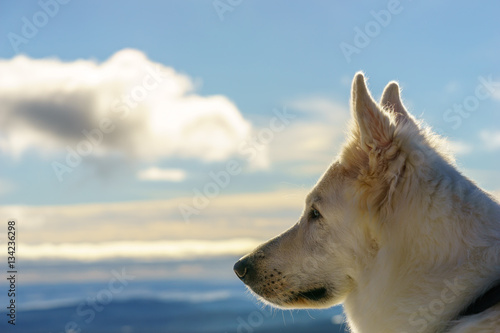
{"points": [[392, 230]]}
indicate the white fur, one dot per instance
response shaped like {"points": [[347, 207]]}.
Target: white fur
{"points": [[404, 240]]}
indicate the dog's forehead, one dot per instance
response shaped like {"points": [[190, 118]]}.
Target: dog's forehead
{"points": [[313, 197], [328, 185]]}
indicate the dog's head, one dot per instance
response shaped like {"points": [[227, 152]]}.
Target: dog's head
{"points": [[319, 260]]}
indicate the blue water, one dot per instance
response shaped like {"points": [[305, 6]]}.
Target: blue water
{"points": [[175, 305]]}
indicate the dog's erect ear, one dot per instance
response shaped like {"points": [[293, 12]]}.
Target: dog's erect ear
{"points": [[391, 101], [375, 128]]}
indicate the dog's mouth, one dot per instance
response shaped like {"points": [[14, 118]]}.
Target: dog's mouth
{"points": [[316, 294], [309, 298]]}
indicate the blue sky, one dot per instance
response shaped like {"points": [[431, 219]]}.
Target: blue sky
{"points": [[249, 62]]}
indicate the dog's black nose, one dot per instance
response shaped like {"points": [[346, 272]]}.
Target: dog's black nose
{"points": [[242, 267]]}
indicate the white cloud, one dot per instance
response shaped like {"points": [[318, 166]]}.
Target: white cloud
{"points": [[452, 87], [491, 139], [459, 147], [127, 104], [496, 194], [157, 174]]}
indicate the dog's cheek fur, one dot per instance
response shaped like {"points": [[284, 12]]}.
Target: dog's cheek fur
{"points": [[314, 260], [310, 255]]}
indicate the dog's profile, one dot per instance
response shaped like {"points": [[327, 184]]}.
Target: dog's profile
{"points": [[391, 230]]}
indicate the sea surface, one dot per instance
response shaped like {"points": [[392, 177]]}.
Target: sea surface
{"points": [[121, 304]]}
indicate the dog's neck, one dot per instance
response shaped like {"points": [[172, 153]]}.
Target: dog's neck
{"points": [[387, 303], [426, 289]]}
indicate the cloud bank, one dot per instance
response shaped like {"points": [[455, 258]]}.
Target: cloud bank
{"points": [[230, 225], [172, 249]]}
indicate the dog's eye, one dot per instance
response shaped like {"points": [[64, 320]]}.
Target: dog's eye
{"points": [[314, 214]]}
